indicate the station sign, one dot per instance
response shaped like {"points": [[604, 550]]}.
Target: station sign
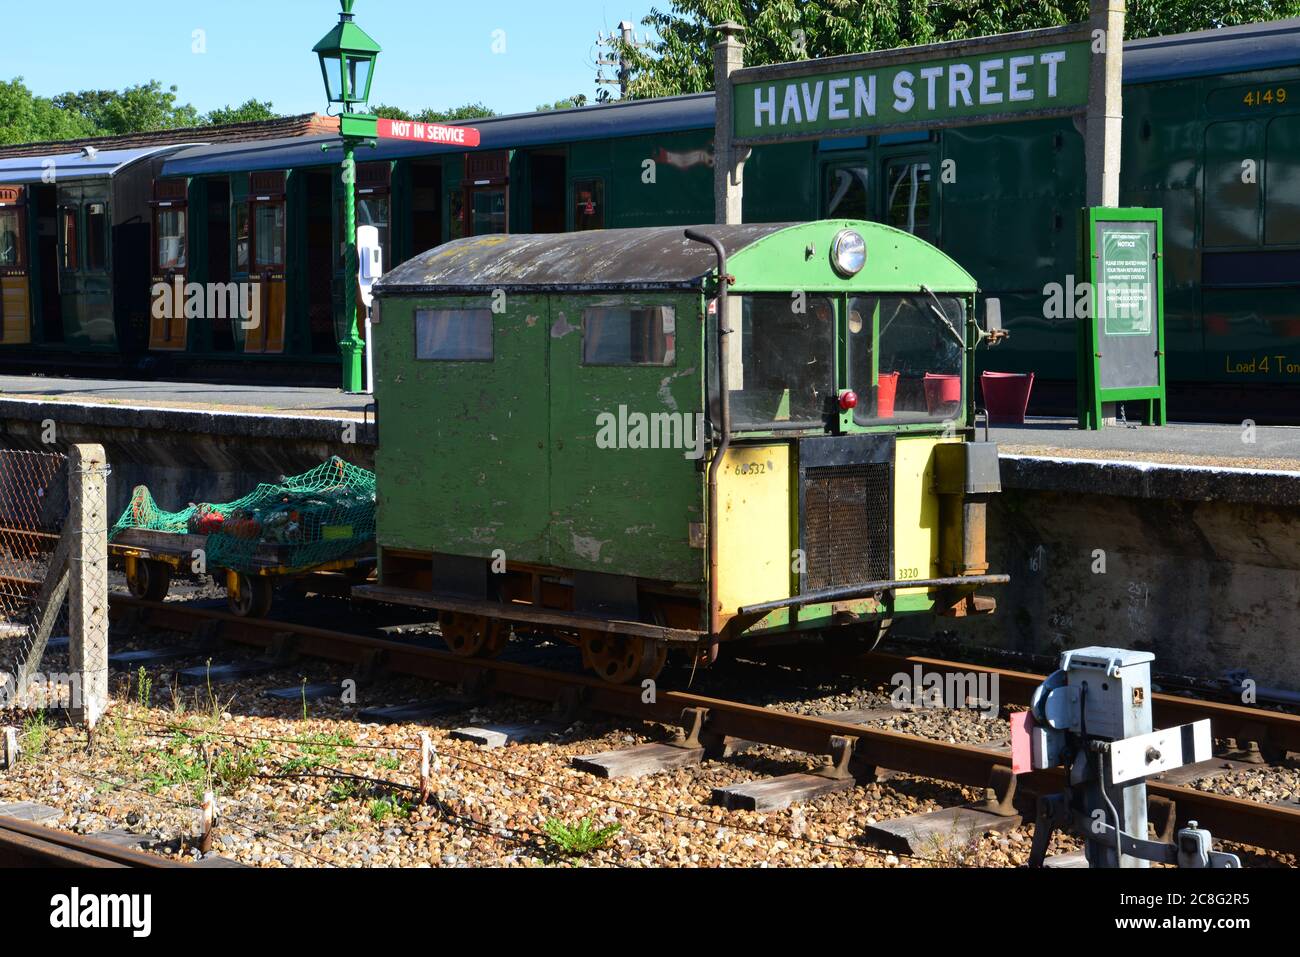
{"points": [[433, 133], [1036, 74]]}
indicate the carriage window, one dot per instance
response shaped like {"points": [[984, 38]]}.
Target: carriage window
{"points": [[268, 235], [456, 217], [463, 335], [96, 236], [68, 237], [905, 357], [846, 192], [907, 196], [373, 211], [11, 248], [588, 204], [171, 239], [241, 237], [781, 354], [627, 336], [487, 212]]}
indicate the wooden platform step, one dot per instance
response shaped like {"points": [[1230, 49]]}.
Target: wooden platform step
{"points": [[639, 760], [776, 794], [226, 673], [938, 831], [30, 811], [500, 735]]}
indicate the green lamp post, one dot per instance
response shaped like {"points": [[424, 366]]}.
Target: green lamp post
{"points": [[347, 62]]}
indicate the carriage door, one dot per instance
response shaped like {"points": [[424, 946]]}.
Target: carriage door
{"points": [[168, 326], [85, 278], [907, 191], [487, 193], [267, 244], [15, 301]]}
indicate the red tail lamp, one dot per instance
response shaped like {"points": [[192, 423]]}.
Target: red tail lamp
{"points": [[848, 400]]}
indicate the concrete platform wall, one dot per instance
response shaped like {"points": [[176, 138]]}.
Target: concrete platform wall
{"points": [[185, 456], [1208, 580]]}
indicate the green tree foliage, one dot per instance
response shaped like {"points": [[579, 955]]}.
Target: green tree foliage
{"points": [[250, 111], [568, 103], [470, 111], [28, 118], [679, 59]]}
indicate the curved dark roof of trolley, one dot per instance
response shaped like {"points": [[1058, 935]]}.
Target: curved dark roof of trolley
{"points": [[1205, 53], [659, 257]]}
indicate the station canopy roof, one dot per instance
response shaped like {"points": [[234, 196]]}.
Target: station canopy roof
{"points": [[660, 257], [631, 118], [83, 164]]}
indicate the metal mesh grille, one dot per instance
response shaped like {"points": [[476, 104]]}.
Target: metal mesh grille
{"points": [[846, 525]]}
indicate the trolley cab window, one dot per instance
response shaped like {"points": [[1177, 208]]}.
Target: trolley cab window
{"points": [[905, 357], [171, 239], [781, 360], [450, 335], [629, 336]]}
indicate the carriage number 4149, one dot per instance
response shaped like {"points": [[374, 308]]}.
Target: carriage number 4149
{"points": [[1265, 97]]}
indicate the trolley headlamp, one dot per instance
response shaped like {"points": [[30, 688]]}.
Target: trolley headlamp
{"points": [[848, 252]]}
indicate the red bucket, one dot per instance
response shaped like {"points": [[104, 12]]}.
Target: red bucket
{"points": [[1006, 396], [886, 390], [942, 392]]}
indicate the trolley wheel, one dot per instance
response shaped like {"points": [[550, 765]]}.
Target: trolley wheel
{"points": [[251, 597], [148, 579], [619, 659], [473, 636]]}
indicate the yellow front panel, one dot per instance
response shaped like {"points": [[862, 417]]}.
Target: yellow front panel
{"points": [[17, 316], [754, 527], [916, 510]]}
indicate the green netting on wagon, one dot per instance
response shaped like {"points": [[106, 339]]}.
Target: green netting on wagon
{"points": [[324, 515]]}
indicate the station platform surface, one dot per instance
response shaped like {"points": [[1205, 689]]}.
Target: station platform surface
{"points": [[274, 400], [1178, 443]]}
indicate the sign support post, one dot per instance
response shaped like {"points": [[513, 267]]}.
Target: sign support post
{"points": [[728, 166], [1103, 125]]}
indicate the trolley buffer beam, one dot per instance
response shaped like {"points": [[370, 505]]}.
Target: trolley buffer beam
{"points": [[870, 590]]}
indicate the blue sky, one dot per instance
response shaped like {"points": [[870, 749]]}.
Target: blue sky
{"points": [[436, 53]]}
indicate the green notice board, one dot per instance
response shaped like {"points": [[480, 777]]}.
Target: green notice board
{"points": [[1121, 337]]}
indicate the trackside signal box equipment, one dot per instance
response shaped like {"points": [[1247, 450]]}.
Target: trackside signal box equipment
{"points": [[1093, 717]]}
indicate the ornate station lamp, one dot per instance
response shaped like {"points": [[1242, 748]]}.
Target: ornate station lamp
{"points": [[347, 62]]}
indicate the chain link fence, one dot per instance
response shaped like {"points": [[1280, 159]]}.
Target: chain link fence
{"points": [[54, 578]]}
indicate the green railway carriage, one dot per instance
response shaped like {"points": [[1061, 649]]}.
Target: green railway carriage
{"points": [[564, 444]]}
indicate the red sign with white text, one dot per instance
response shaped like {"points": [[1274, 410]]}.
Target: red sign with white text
{"points": [[428, 133]]}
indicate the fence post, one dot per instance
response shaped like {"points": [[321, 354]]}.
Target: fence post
{"points": [[88, 591]]}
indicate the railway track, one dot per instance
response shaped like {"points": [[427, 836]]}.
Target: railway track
{"points": [[716, 726], [24, 844]]}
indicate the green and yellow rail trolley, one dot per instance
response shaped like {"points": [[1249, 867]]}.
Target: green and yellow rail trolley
{"points": [[652, 439]]}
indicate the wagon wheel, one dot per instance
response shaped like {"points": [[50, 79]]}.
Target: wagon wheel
{"points": [[621, 658], [473, 636], [148, 579], [251, 595]]}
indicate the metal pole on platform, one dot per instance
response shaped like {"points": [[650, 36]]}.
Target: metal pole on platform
{"points": [[351, 347]]}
